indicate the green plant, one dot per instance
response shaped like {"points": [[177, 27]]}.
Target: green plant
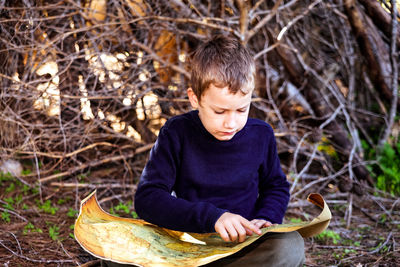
{"points": [[295, 220], [25, 189], [10, 188], [53, 232], [71, 213], [329, 235], [382, 218], [381, 247], [4, 177], [122, 207], [9, 203], [5, 216], [72, 227], [389, 163], [31, 228], [47, 207], [348, 251], [62, 201], [336, 256], [18, 199], [28, 228], [35, 190], [387, 170], [112, 212], [26, 172], [134, 215]]}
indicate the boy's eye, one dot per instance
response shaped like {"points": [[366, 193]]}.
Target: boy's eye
{"points": [[242, 110], [218, 112]]}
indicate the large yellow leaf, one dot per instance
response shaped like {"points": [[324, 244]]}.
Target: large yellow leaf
{"points": [[132, 241]]}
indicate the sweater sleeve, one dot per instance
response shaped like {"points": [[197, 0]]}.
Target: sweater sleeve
{"points": [[274, 194], [153, 200]]}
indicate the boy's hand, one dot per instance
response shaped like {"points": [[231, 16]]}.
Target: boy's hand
{"points": [[233, 227], [261, 223]]}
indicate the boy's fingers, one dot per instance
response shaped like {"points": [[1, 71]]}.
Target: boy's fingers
{"points": [[222, 233], [241, 231], [260, 223], [233, 227], [248, 232], [251, 226], [267, 224], [231, 232]]}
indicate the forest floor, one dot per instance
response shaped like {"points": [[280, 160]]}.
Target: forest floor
{"points": [[37, 225]]}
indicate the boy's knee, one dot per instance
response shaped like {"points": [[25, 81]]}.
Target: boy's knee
{"points": [[288, 249]]}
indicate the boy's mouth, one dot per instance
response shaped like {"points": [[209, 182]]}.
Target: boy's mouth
{"points": [[228, 133]]}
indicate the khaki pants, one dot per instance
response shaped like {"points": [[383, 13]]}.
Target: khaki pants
{"points": [[273, 249]]}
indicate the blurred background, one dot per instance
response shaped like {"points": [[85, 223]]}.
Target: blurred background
{"points": [[87, 84]]}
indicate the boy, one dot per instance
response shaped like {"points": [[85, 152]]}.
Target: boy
{"points": [[222, 166]]}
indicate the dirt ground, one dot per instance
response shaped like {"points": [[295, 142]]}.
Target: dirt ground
{"points": [[36, 225]]}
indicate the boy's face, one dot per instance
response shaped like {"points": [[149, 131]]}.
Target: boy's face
{"points": [[222, 113]]}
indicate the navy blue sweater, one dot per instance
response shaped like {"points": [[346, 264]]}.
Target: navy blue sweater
{"points": [[242, 176]]}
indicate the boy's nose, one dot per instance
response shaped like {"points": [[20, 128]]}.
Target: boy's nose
{"points": [[230, 121]]}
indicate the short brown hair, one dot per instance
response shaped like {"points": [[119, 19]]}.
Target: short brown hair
{"points": [[222, 61]]}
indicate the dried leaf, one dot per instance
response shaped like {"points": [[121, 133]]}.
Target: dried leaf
{"points": [[97, 10], [165, 48], [138, 7]]}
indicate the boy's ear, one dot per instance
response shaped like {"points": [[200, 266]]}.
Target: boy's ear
{"points": [[192, 98]]}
